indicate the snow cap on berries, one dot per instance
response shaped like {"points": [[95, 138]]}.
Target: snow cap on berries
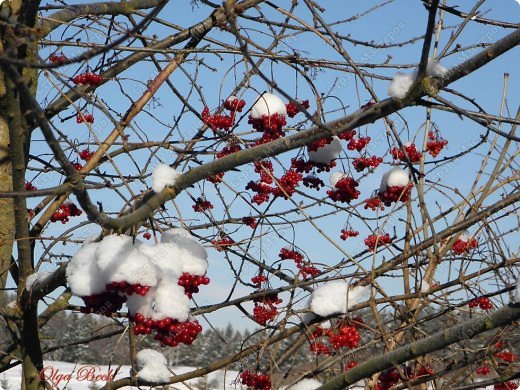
{"points": [[152, 366], [268, 104], [336, 298], [327, 153], [335, 177], [192, 254], [82, 273], [118, 259], [395, 177], [163, 176]]}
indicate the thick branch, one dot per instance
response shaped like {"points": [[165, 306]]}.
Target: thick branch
{"points": [[501, 317], [71, 12]]}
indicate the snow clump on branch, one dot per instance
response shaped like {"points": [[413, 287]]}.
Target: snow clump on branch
{"points": [[401, 83], [152, 366], [337, 298], [163, 176]]}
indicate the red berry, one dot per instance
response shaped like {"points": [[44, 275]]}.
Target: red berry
{"points": [[376, 240]]}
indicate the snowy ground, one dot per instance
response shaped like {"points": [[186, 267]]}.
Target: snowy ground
{"points": [[72, 376]]}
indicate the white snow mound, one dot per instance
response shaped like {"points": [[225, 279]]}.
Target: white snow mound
{"points": [[152, 366], [327, 153], [268, 104], [335, 177], [163, 176], [435, 69], [336, 298], [394, 177], [400, 84]]}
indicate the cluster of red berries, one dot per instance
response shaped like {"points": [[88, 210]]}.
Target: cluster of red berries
{"points": [[85, 155], [350, 364], [168, 330], [222, 243], [435, 143], [105, 303], [375, 240], [265, 169], [286, 254], [344, 335], [265, 309], [191, 283], [262, 187], [347, 135], [319, 348], [410, 150], [263, 191], [348, 233], [396, 193], [127, 288], [258, 280], [234, 104], [309, 271], [202, 204], [302, 166], [270, 125], [66, 210], [483, 302], [92, 79], [306, 269], [229, 149], [506, 386], [390, 377], [147, 235], [77, 166], [56, 58], [483, 370], [387, 379], [462, 246], [345, 190], [286, 185], [250, 221], [217, 121], [507, 356], [313, 181], [361, 163], [29, 186], [88, 118], [292, 109], [374, 203], [255, 380], [358, 143], [319, 143]]}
